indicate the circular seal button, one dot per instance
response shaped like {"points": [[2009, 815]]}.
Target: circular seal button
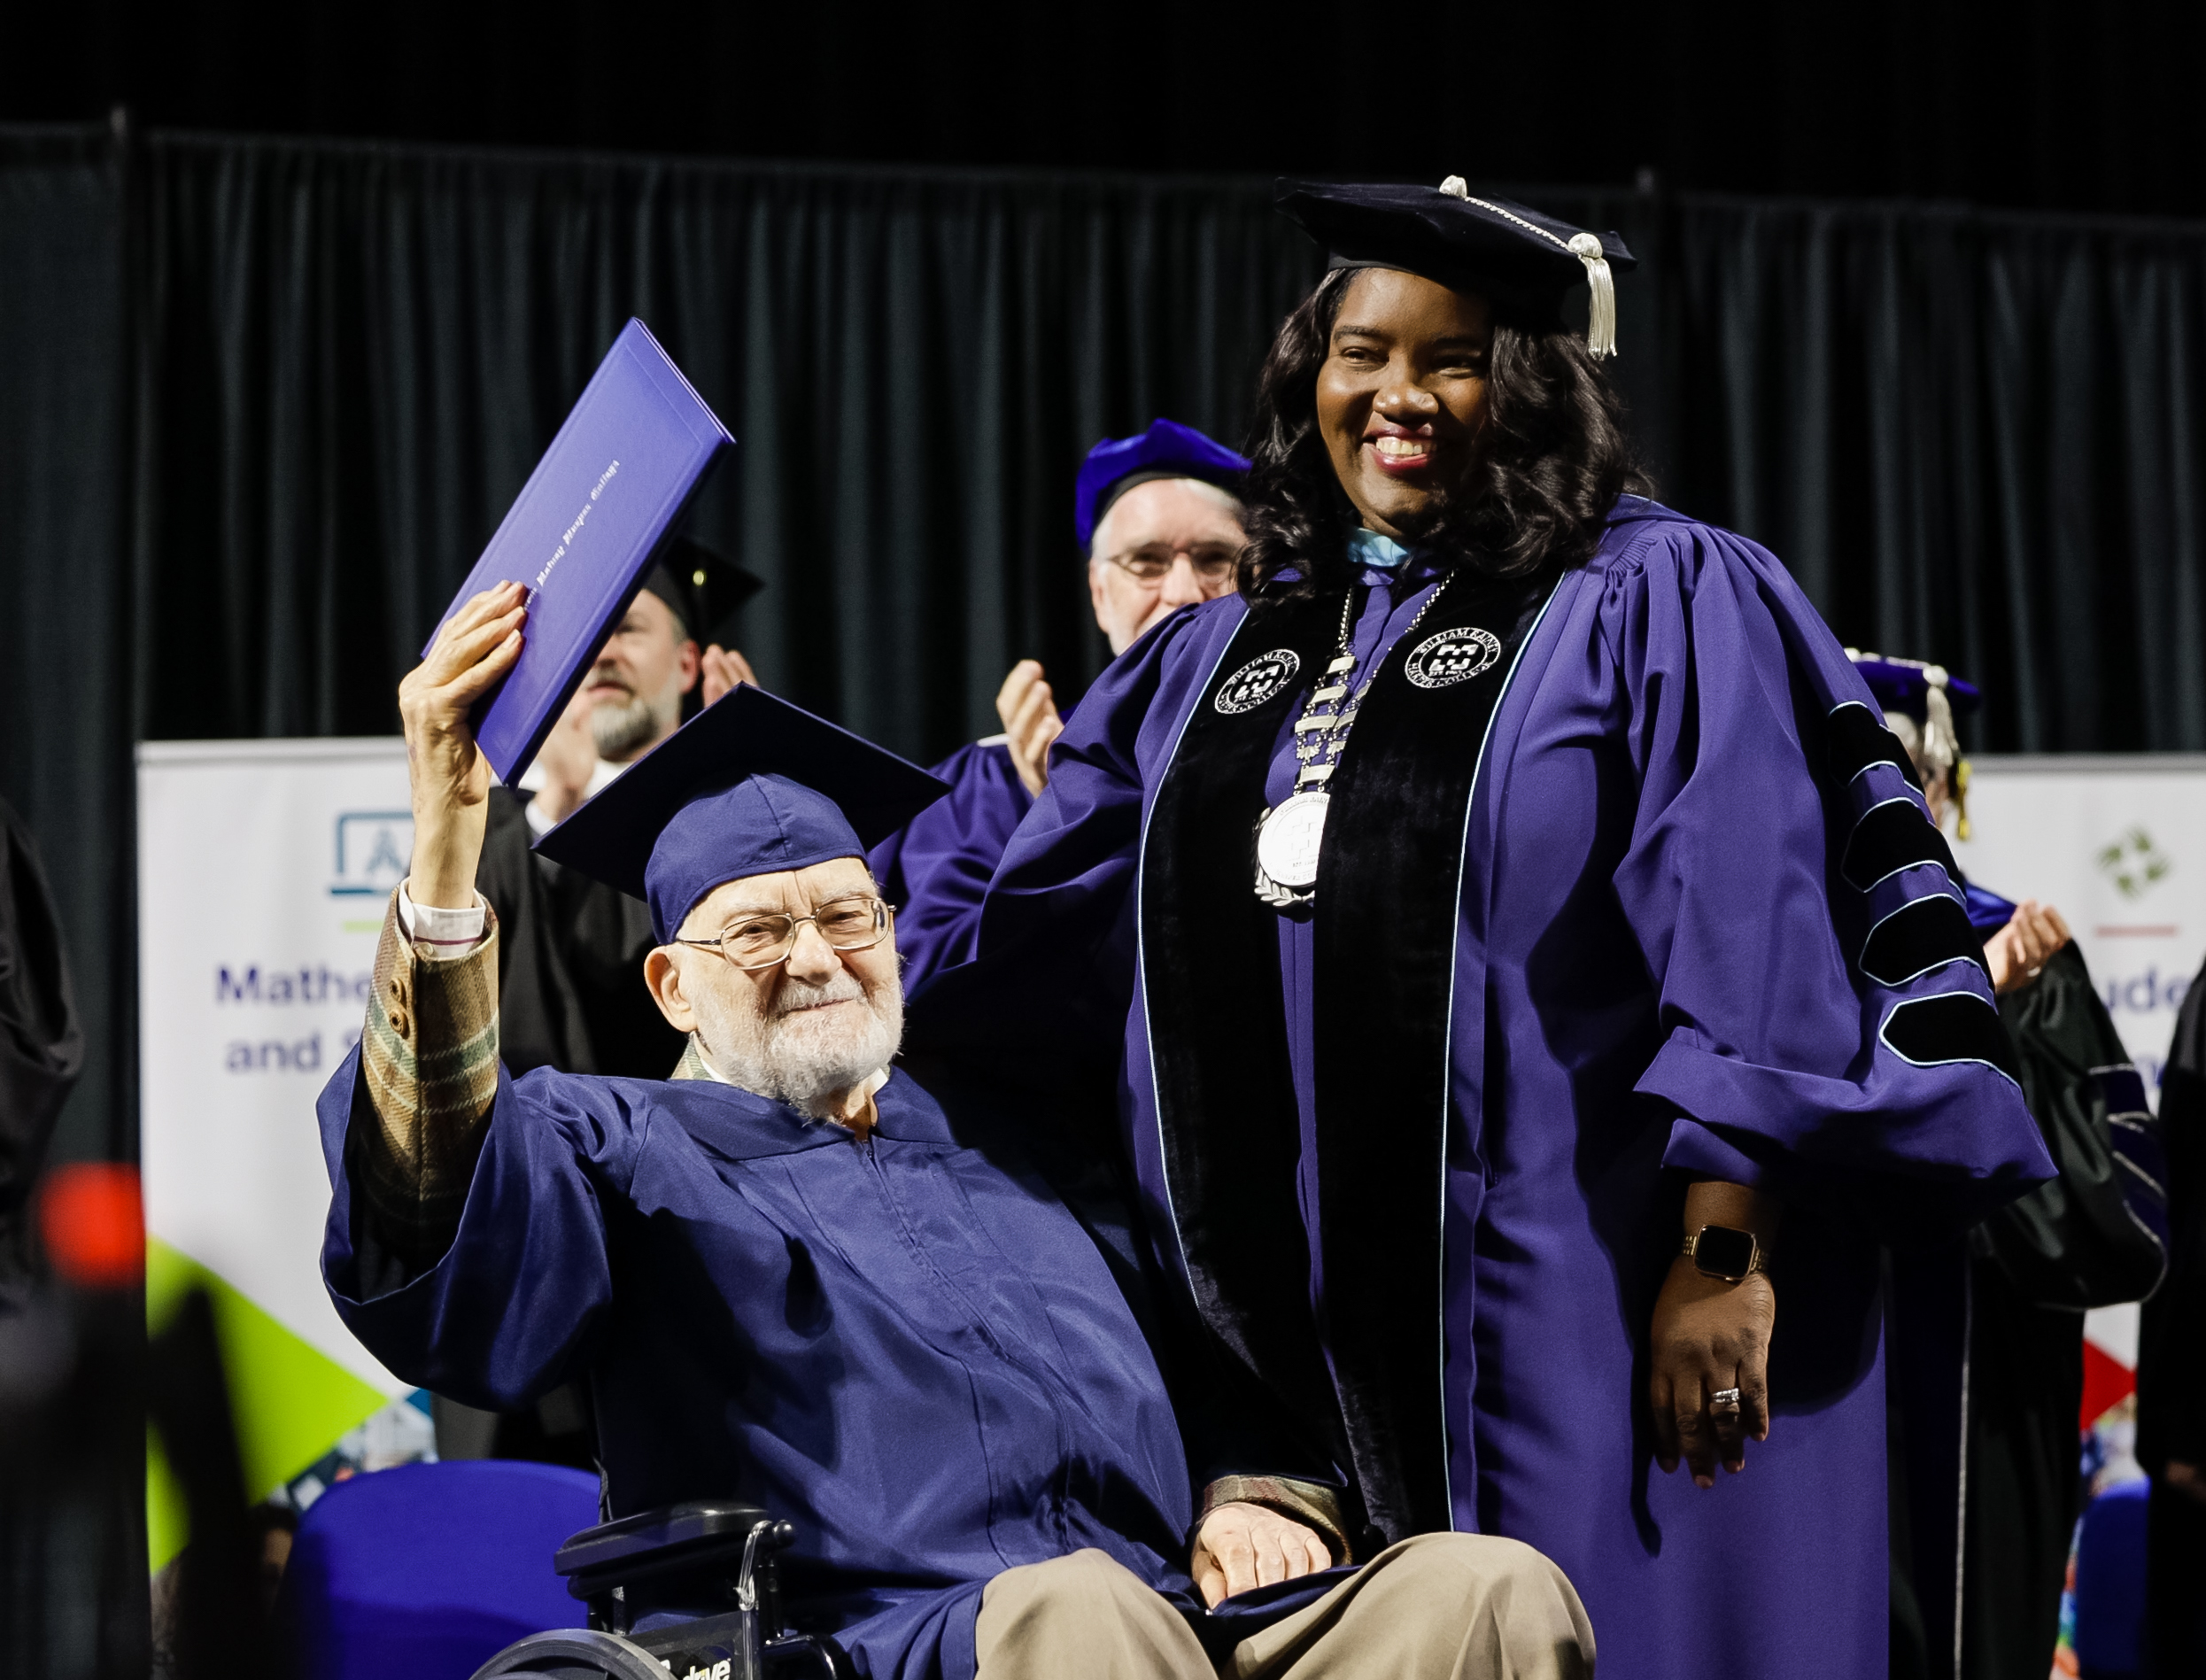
{"points": [[1257, 681], [1453, 656]]}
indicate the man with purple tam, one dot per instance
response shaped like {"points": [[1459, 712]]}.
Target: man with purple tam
{"points": [[1157, 516], [788, 1279]]}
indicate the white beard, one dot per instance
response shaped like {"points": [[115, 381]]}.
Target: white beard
{"points": [[796, 1054]]}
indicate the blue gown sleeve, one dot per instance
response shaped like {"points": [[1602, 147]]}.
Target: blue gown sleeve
{"points": [[1825, 1019], [1052, 964], [509, 1310], [935, 869]]}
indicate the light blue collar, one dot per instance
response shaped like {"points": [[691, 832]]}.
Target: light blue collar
{"points": [[1369, 548]]}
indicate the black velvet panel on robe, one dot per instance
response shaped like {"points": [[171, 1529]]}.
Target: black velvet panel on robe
{"points": [[1403, 789], [570, 954], [1217, 1040]]}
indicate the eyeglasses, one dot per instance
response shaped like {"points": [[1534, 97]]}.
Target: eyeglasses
{"points": [[856, 923], [1211, 561]]}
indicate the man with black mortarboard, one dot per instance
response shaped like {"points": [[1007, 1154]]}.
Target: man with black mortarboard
{"points": [[571, 948], [788, 1276], [1157, 516]]}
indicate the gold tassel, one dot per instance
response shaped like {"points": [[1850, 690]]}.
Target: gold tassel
{"points": [[1961, 799]]}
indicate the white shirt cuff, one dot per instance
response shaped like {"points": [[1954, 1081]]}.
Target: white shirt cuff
{"points": [[441, 935]]}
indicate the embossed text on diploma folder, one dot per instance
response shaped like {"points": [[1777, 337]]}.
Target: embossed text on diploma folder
{"points": [[628, 458]]}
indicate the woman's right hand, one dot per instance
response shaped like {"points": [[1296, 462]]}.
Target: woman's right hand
{"points": [[450, 779]]}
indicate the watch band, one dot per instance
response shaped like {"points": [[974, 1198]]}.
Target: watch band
{"points": [[1729, 1237]]}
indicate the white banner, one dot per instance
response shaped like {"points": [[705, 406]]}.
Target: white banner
{"points": [[2118, 845], [263, 871]]}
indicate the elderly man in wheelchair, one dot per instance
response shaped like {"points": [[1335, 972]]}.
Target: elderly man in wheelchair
{"points": [[870, 1398]]}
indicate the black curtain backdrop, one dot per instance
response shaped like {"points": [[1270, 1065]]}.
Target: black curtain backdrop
{"points": [[2026, 103], [264, 401]]}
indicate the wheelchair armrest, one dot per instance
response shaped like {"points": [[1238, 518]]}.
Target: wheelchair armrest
{"points": [[697, 1538], [612, 1552]]}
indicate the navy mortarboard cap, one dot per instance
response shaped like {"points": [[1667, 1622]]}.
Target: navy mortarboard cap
{"points": [[750, 785], [1905, 684], [1499, 249], [704, 590], [1166, 450]]}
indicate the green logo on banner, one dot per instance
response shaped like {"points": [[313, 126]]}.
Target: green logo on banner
{"points": [[2134, 863]]}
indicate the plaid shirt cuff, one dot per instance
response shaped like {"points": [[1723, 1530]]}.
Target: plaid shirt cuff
{"points": [[428, 1064]]}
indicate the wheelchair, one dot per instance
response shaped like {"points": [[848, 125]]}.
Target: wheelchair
{"points": [[702, 1552]]}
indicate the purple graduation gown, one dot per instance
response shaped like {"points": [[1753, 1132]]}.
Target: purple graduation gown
{"points": [[1686, 842], [935, 869], [907, 1347]]}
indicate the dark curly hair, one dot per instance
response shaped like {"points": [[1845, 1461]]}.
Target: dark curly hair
{"points": [[1555, 460]]}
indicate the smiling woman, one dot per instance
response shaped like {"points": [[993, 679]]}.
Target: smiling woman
{"points": [[1498, 984], [1424, 412]]}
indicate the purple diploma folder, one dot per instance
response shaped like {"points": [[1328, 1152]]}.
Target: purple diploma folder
{"points": [[582, 534]]}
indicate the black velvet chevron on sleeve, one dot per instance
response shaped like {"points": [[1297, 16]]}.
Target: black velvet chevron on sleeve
{"points": [[1950, 1026], [1856, 739], [1890, 837], [1918, 937]]}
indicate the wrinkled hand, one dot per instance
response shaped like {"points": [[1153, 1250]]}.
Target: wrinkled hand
{"points": [[450, 779], [1029, 711], [1709, 1335], [2019, 950], [722, 668], [2185, 1479], [1240, 1546]]}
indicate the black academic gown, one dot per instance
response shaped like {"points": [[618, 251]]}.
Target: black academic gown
{"points": [[42, 1046], [571, 961], [2092, 1237], [2171, 1372]]}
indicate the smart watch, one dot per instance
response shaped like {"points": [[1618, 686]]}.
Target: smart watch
{"points": [[1722, 1252]]}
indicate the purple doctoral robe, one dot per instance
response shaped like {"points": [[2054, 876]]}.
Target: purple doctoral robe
{"points": [[935, 869], [1419, 1154]]}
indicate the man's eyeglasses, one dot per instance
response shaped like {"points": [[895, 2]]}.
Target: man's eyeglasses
{"points": [[1212, 562], [856, 923]]}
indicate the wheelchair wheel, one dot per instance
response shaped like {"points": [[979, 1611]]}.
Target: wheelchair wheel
{"points": [[572, 1654]]}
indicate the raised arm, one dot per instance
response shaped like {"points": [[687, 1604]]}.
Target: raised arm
{"points": [[429, 1048], [450, 778]]}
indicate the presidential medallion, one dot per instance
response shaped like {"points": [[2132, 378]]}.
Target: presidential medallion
{"points": [[1289, 839], [1453, 656], [1257, 681]]}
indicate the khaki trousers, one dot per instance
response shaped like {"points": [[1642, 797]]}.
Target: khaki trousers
{"points": [[1436, 1606]]}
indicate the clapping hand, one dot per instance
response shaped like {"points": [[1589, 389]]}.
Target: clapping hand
{"points": [[2018, 951], [1029, 711], [568, 758], [722, 670]]}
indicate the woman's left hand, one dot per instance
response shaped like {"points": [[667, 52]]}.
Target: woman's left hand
{"points": [[1709, 1335]]}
